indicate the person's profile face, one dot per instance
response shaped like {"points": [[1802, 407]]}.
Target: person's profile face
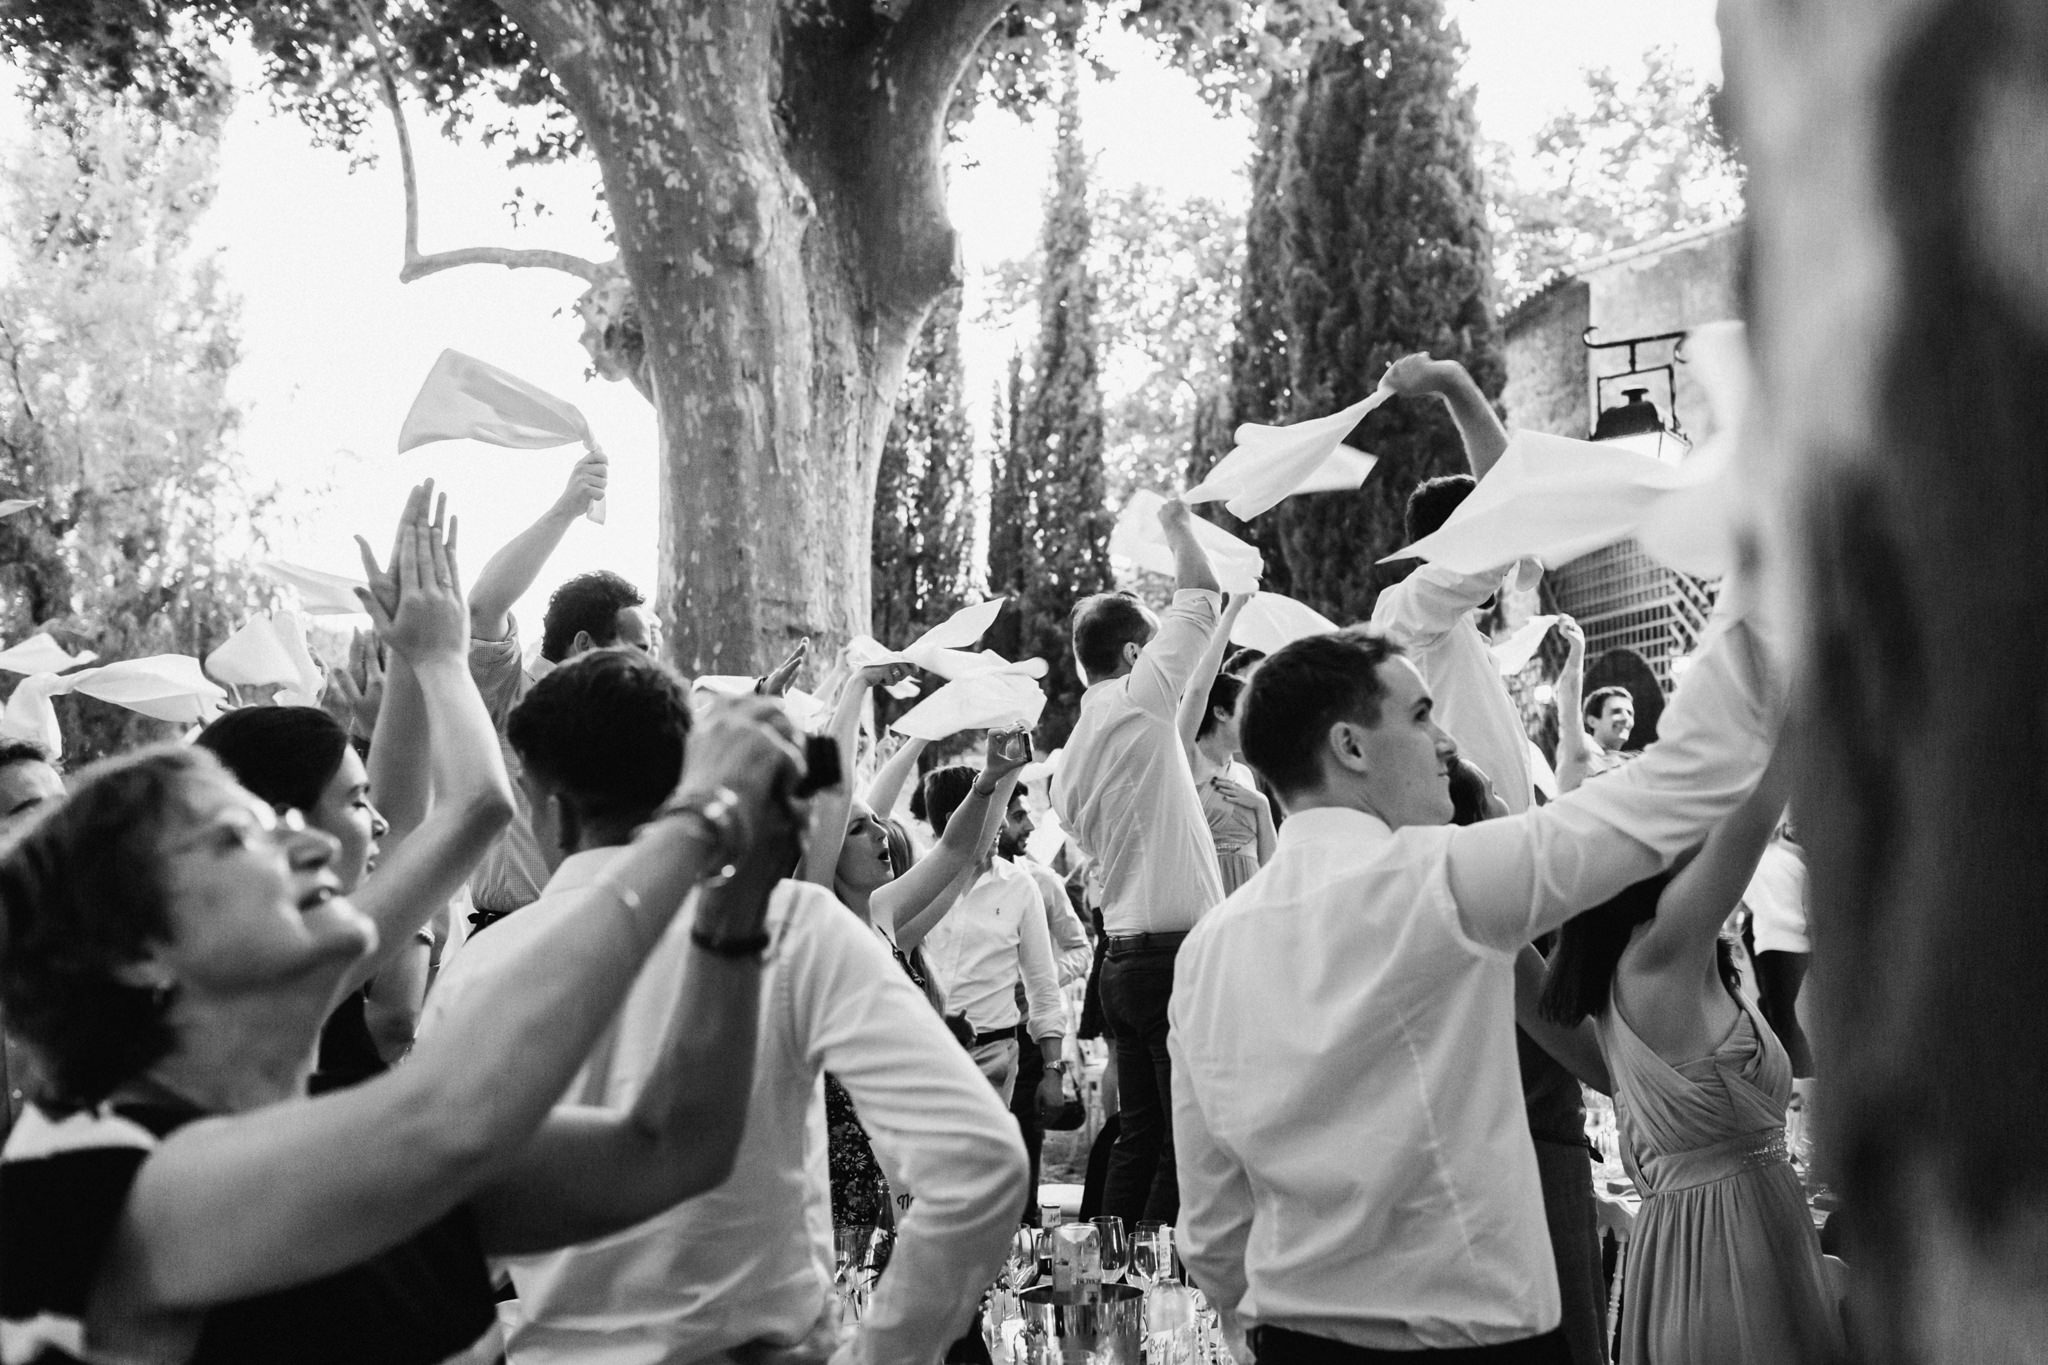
{"points": [[634, 629], [1403, 763]]}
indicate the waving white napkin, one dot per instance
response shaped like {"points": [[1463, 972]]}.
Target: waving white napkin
{"points": [[13, 505], [1138, 537], [270, 650], [166, 686], [1513, 654], [1271, 621], [983, 702], [935, 650], [41, 654], [320, 593], [464, 397], [1271, 463], [30, 715]]}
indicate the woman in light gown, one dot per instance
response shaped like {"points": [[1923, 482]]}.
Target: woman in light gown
{"points": [[1240, 818], [1640, 1001]]}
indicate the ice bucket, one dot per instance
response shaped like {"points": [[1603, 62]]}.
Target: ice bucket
{"points": [[1095, 1326]]}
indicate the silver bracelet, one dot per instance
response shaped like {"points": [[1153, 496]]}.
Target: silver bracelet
{"points": [[723, 819]]}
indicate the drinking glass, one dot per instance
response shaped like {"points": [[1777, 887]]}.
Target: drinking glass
{"points": [[1116, 1252], [1152, 1253], [1020, 1269]]}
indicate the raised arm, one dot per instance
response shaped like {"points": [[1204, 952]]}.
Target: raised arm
{"points": [[1194, 699], [1481, 431], [419, 614], [591, 1171], [915, 901], [1574, 753], [1513, 879], [235, 1206], [887, 786], [1160, 677], [832, 805], [1574, 1046], [1699, 898], [512, 570]]}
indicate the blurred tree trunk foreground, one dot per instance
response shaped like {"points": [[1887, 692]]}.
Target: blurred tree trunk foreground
{"points": [[1898, 156]]}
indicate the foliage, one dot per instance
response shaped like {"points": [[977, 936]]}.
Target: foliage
{"points": [[1630, 162], [1057, 446], [1368, 241], [922, 513], [116, 343]]}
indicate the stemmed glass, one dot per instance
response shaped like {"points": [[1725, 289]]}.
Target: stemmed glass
{"points": [[1116, 1252], [849, 1272], [1151, 1256]]}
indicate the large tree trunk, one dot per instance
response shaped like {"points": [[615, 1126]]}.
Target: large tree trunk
{"points": [[1899, 299], [776, 189]]}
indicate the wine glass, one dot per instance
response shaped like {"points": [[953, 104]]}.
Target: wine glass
{"points": [[1020, 1268], [1152, 1252], [1116, 1252]]}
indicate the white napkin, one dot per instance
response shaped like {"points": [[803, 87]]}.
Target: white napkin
{"points": [[30, 715], [1270, 621], [41, 654], [986, 701], [464, 397], [270, 649], [960, 631], [320, 592], [166, 686], [1513, 654], [1138, 537], [13, 505], [1271, 463]]}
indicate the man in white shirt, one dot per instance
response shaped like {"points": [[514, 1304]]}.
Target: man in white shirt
{"points": [[1433, 612], [989, 943], [1357, 1176], [747, 1268], [1125, 792]]}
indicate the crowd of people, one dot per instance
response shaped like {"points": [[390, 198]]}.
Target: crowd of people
{"points": [[532, 1004]]}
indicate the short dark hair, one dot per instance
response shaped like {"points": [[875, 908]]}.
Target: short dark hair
{"points": [[1103, 625], [944, 790], [589, 602], [1468, 793], [13, 751], [1223, 695], [83, 894], [1580, 980], [285, 755], [608, 730], [1596, 704], [1433, 501], [1300, 691]]}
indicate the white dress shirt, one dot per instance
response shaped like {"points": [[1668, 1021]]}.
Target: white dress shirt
{"points": [[1430, 614], [1126, 793], [752, 1260], [995, 935], [1071, 951], [1353, 1152], [511, 873]]}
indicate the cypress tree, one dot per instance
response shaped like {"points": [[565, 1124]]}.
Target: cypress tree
{"points": [[922, 533], [1059, 435], [1383, 250]]}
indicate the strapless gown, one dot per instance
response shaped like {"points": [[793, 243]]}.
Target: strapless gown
{"points": [[1724, 1267], [1235, 831]]}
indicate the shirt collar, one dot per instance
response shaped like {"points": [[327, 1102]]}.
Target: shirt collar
{"points": [[1324, 825]]}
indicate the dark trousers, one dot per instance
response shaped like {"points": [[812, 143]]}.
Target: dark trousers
{"points": [[1278, 1346], [1024, 1108], [1566, 1171], [1137, 983]]}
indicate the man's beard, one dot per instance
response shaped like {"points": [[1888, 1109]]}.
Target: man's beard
{"points": [[1006, 847]]}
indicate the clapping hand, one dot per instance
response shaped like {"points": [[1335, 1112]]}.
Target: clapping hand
{"points": [[778, 681], [355, 690], [416, 603]]}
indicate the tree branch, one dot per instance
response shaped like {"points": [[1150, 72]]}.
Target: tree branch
{"points": [[925, 54], [417, 265]]}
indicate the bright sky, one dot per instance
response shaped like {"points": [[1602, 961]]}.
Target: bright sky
{"points": [[334, 346]]}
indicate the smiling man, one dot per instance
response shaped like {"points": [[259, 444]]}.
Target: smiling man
{"points": [[1357, 1179]]}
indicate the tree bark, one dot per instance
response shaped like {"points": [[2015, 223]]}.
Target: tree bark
{"points": [[1899, 308], [775, 184]]}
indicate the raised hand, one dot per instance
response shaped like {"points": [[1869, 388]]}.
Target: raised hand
{"points": [[1008, 750], [431, 616], [586, 486], [778, 681], [882, 675], [1574, 637], [746, 744], [1414, 374], [355, 690], [383, 579], [1174, 514]]}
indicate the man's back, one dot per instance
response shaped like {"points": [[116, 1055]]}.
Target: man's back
{"points": [[1356, 1164], [752, 1260]]}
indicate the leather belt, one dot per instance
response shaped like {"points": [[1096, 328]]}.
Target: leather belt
{"points": [[1140, 943]]}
